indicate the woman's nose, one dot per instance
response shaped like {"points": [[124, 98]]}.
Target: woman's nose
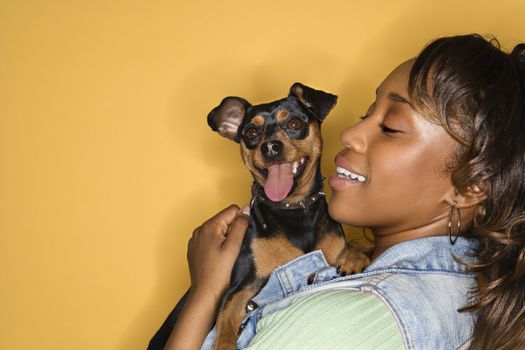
{"points": [[355, 138]]}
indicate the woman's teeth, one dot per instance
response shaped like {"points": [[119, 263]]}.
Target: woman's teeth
{"points": [[345, 173]]}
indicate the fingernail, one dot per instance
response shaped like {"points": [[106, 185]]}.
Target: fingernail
{"points": [[246, 210]]}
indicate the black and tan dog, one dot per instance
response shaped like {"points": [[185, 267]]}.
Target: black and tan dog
{"points": [[281, 146]]}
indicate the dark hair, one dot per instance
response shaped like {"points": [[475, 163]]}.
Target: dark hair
{"points": [[476, 92]]}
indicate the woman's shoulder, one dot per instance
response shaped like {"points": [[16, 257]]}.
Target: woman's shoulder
{"points": [[423, 286], [426, 306], [322, 320]]}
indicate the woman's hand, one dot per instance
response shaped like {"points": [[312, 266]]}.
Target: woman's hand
{"points": [[213, 249]]}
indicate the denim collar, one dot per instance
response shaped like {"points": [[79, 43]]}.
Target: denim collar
{"points": [[427, 254]]}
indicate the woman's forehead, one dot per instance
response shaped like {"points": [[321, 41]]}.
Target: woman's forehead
{"points": [[397, 80]]}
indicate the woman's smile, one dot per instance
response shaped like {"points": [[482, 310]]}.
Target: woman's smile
{"points": [[346, 174], [384, 179]]}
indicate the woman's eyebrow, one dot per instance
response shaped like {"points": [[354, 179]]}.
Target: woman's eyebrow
{"points": [[394, 96]]}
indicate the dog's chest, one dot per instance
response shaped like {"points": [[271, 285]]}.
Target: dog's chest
{"points": [[300, 227]]}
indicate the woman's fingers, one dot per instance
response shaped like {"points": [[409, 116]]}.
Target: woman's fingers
{"points": [[219, 227], [220, 222], [236, 234], [213, 248]]}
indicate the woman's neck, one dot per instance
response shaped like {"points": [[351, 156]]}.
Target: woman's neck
{"points": [[384, 239]]}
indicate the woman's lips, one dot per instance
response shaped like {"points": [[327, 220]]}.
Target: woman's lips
{"points": [[345, 173], [337, 182], [345, 176]]}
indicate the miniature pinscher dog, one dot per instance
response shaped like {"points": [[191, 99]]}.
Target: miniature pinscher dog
{"points": [[281, 145]]}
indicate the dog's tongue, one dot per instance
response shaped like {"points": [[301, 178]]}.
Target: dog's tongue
{"points": [[279, 181]]}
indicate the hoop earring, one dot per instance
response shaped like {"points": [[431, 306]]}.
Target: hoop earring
{"points": [[458, 230]]}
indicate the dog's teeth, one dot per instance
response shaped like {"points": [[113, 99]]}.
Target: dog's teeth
{"points": [[302, 160], [294, 168]]}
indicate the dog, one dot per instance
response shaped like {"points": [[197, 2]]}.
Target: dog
{"points": [[281, 146]]}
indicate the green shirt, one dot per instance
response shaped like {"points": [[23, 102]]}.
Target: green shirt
{"points": [[330, 320]]}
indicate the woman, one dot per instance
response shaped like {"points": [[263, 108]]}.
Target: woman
{"points": [[443, 152]]}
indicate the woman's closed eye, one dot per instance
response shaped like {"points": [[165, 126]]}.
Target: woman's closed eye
{"points": [[383, 127], [388, 130]]}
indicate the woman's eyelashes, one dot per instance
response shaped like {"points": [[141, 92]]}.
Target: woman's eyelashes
{"points": [[386, 129], [383, 127]]}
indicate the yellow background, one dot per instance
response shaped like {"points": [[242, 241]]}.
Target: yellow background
{"points": [[106, 161]]}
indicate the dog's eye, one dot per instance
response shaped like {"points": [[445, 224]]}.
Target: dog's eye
{"points": [[294, 123], [251, 133]]}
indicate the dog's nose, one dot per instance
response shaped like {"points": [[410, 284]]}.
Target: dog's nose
{"points": [[271, 149]]}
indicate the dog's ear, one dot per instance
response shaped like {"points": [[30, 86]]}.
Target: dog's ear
{"points": [[228, 116], [317, 101]]}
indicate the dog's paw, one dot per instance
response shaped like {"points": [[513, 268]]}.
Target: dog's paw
{"points": [[352, 261]]}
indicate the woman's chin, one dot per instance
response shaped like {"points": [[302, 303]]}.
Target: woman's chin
{"points": [[345, 214], [337, 211]]}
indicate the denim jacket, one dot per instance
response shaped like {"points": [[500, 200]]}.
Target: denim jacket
{"points": [[419, 282]]}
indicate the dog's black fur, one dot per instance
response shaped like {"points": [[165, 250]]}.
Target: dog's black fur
{"points": [[268, 133]]}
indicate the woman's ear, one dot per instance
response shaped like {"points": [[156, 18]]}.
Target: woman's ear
{"points": [[474, 195]]}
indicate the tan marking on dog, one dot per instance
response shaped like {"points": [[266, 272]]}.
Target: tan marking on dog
{"points": [[282, 115], [310, 147], [250, 158], [268, 254], [332, 246], [353, 261], [271, 252], [338, 253], [230, 318], [258, 120], [299, 93]]}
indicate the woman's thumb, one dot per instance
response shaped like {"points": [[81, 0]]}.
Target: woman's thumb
{"points": [[237, 231]]}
